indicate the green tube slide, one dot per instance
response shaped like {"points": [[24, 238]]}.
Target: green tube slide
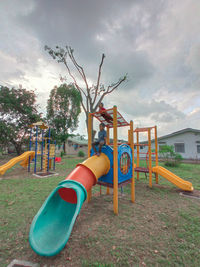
{"points": [[52, 225]]}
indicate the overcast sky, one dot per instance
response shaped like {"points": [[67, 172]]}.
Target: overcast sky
{"points": [[156, 42]]}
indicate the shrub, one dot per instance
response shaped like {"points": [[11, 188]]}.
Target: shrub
{"points": [[171, 158], [62, 153], [178, 158], [81, 154]]}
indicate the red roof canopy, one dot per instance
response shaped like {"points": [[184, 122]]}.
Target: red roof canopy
{"points": [[107, 118], [142, 129]]}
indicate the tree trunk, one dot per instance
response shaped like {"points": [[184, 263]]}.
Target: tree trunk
{"points": [[18, 148], [64, 147]]}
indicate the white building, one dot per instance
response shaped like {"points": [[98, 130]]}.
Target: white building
{"points": [[75, 144], [185, 142]]}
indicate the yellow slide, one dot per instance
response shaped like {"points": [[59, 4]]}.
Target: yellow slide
{"points": [[174, 179], [24, 158]]}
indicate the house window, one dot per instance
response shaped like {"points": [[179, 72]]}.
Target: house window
{"points": [[198, 148], [179, 147]]}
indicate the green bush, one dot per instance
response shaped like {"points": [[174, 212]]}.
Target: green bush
{"points": [[81, 154], [62, 153], [170, 164], [171, 158]]}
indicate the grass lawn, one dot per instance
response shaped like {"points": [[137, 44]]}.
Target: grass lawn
{"points": [[161, 229]]}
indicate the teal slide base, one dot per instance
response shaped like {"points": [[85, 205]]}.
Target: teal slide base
{"points": [[52, 225]]}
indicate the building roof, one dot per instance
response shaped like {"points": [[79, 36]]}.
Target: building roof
{"points": [[78, 140], [186, 130], [81, 141]]}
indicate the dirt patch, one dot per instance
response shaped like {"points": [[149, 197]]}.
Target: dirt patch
{"points": [[193, 194], [44, 174]]}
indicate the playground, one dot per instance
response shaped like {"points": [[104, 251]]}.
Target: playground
{"points": [[100, 134], [155, 224], [162, 226]]}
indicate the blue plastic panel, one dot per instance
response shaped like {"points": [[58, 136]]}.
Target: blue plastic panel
{"points": [[108, 178]]}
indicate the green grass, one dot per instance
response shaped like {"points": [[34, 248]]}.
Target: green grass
{"points": [[160, 229]]}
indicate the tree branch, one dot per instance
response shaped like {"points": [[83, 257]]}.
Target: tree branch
{"points": [[98, 91], [109, 90], [78, 67], [77, 86], [82, 73], [98, 78]]}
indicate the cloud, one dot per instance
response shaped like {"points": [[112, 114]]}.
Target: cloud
{"points": [[193, 59], [155, 42], [69, 22], [138, 107]]}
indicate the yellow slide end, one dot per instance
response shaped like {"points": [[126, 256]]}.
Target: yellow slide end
{"points": [[174, 179], [99, 165], [24, 158]]}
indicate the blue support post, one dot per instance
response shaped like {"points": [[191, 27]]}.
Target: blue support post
{"points": [[35, 167], [48, 148], [42, 151], [30, 144], [54, 160]]}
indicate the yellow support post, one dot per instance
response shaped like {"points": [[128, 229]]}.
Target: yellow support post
{"points": [[107, 191], [115, 162], [89, 133], [107, 143], [131, 135], [89, 195], [129, 139], [156, 151], [150, 162], [108, 137], [138, 154]]}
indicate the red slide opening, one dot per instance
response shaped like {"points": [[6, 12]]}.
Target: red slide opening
{"points": [[68, 195]]}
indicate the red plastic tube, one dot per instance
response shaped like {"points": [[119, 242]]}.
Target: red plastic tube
{"points": [[82, 175]]}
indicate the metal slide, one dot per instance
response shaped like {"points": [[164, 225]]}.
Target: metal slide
{"points": [[52, 225], [174, 179], [24, 158]]}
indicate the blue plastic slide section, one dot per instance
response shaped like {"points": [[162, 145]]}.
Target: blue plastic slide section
{"points": [[52, 225]]}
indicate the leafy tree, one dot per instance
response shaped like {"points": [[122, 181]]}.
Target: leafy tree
{"points": [[18, 110], [91, 96], [171, 158], [63, 109]]}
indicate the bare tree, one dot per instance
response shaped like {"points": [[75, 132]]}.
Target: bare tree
{"points": [[93, 95]]}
